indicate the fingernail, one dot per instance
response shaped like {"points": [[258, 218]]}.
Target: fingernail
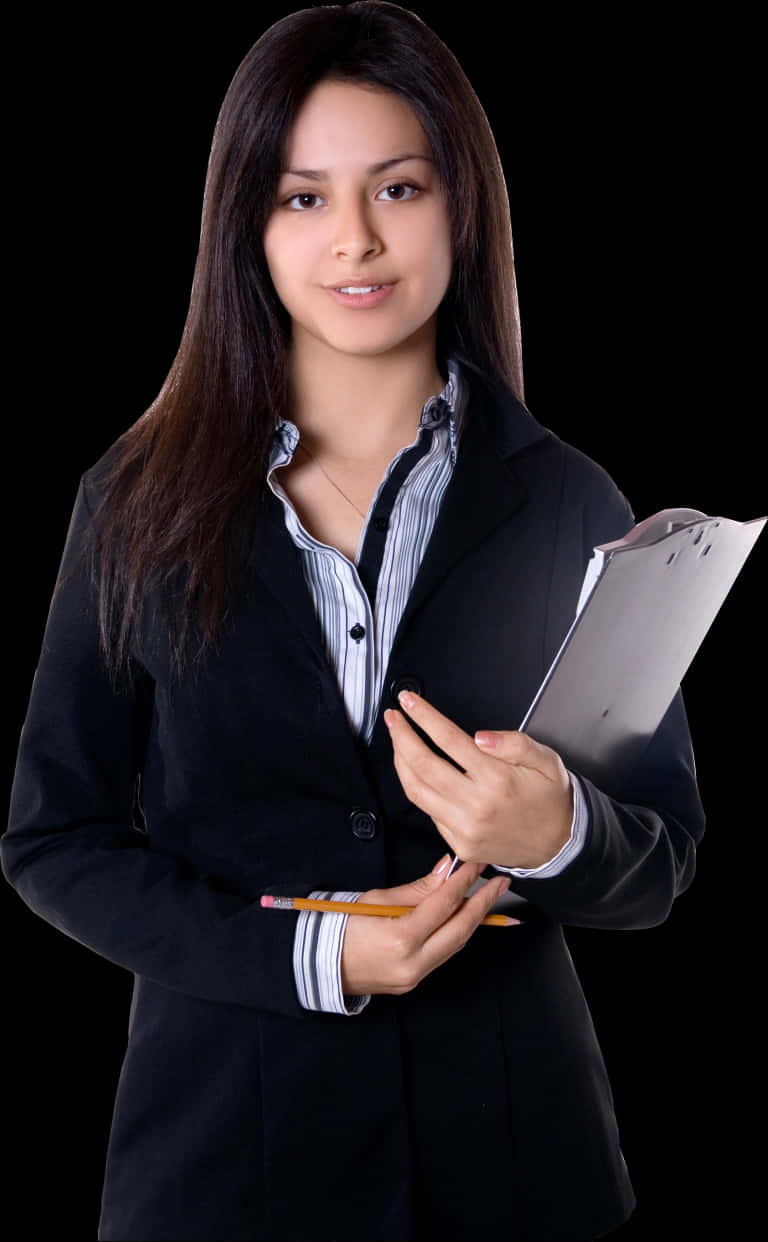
{"points": [[406, 699], [503, 885], [441, 865], [488, 740]]}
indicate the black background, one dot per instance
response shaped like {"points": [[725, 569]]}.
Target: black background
{"points": [[629, 152]]}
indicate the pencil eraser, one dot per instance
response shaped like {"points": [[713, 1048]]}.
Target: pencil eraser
{"points": [[268, 901]]}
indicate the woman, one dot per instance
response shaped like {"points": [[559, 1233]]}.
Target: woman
{"points": [[339, 496]]}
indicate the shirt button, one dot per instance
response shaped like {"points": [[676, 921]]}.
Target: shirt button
{"points": [[357, 632], [380, 523], [408, 682], [363, 824]]}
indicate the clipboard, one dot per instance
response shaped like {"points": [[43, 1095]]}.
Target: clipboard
{"points": [[646, 603]]}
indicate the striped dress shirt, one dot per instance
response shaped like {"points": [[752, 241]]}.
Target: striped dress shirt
{"points": [[359, 606]]}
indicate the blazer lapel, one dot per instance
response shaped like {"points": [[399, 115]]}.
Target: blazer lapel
{"points": [[278, 564], [482, 493]]}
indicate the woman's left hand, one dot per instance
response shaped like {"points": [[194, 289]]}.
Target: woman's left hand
{"points": [[512, 804]]}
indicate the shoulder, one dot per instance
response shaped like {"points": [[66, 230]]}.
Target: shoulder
{"points": [[95, 476], [536, 451], [586, 494], [119, 462], [554, 472], [585, 479]]}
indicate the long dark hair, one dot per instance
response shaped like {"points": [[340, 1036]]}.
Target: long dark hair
{"points": [[177, 511]]}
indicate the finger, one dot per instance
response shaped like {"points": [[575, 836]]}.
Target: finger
{"points": [[448, 736], [452, 935], [518, 749], [414, 892], [439, 906], [433, 786]]}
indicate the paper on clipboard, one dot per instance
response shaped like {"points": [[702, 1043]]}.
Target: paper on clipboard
{"points": [[646, 602]]}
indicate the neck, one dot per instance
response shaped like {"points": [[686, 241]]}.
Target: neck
{"points": [[355, 408]]}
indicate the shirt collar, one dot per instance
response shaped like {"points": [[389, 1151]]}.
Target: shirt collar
{"points": [[448, 405]]}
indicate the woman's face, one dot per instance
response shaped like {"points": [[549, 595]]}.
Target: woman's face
{"points": [[349, 223]]}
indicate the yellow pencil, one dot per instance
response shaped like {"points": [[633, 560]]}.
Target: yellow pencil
{"points": [[363, 907]]}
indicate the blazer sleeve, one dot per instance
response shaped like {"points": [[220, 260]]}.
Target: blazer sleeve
{"points": [[72, 852], [639, 851]]}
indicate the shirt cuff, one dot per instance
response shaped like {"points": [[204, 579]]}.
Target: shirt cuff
{"points": [[317, 958], [572, 847]]}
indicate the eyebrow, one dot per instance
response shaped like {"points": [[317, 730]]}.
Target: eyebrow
{"points": [[317, 174]]}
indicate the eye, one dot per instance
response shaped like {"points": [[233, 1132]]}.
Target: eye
{"points": [[305, 194], [401, 185]]}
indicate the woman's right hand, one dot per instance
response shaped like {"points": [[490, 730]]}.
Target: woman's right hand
{"points": [[383, 954]]}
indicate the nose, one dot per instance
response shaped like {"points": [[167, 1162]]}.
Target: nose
{"points": [[354, 234]]}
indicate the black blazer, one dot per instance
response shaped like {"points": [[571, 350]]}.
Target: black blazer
{"points": [[483, 1092]]}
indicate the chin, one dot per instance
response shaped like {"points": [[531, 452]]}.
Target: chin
{"points": [[362, 343], [373, 349]]}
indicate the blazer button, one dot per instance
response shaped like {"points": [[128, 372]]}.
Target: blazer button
{"points": [[363, 824], [407, 682]]}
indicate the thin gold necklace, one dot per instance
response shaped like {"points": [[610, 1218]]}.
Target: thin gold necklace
{"points": [[330, 480]]}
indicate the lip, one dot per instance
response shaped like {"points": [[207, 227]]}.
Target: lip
{"points": [[361, 301], [360, 280]]}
